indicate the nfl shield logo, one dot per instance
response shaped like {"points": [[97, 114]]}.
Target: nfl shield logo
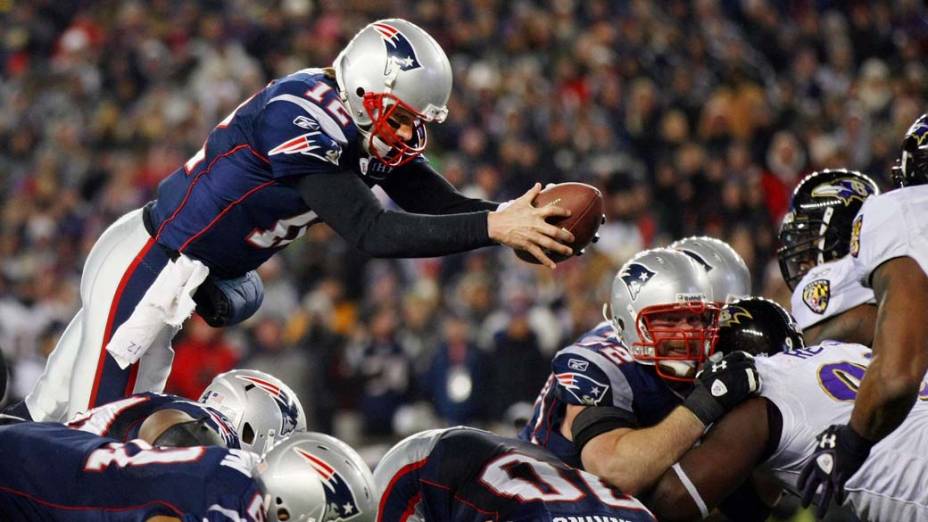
{"points": [[815, 295]]}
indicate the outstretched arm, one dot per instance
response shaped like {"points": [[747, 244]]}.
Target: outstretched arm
{"points": [[417, 187], [710, 472], [346, 204]]}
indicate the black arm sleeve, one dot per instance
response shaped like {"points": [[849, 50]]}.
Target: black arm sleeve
{"points": [[596, 420], [416, 187], [346, 204]]}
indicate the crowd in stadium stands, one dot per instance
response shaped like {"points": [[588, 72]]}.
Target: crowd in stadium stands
{"points": [[692, 117]]}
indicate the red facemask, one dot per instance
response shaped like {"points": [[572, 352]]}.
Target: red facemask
{"points": [[401, 151], [671, 343]]}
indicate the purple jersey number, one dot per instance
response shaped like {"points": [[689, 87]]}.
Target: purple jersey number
{"points": [[841, 381]]}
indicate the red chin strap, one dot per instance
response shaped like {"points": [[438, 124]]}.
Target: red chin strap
{"points": [[689, 345], [401, 151]]}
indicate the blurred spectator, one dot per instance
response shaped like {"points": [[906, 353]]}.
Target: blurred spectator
{"points": [[694, 117], [384, 371], [458, 377], [200, 353], [518, 366], [270, 350]]}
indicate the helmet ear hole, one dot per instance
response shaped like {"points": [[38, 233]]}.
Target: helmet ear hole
{"points": [[282, 513], [248, 434], [359, 91]]}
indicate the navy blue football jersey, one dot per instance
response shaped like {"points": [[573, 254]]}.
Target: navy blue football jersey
{"points": [[51, 472], [122, 419], [597, 370], [469, 475], [235, 203]]}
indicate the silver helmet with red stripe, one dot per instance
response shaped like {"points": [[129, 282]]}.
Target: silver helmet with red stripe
{"points": [[391, 70], [260, 406], [292, 487], [348, 491]]}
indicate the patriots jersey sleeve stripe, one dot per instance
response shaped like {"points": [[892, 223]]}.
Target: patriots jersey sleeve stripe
{"points": [[329, 125]]}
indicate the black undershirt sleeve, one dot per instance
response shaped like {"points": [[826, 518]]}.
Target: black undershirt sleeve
{"points": [[345, 203], [417, 187], [596, 420]]}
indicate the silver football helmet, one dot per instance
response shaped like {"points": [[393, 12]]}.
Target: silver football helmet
{"points": [[348, 491], [662, 309], [412, 449], [393, 64], [290, 479], [259, 405], [727, 271]]}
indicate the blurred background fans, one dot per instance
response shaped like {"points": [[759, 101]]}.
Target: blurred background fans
{"points": [[692, 117]]}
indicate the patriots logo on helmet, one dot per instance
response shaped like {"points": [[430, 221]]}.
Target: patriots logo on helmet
{"points": [[586, 390], [732, 314], [816, 294], [696, 257], [338, 495], [288, 409], [846, 190], [399, 49], [220, 423], [855, 234], [636, 276]]}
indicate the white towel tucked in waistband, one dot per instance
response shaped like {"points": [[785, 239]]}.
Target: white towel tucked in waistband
{"points": [[168, 301]]}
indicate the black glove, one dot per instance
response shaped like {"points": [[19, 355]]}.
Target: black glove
{"points": [[722, 385], [840, 452]]}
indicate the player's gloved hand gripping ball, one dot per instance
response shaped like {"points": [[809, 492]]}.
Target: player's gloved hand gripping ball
{"points": [[587, 208], [721, 385]]}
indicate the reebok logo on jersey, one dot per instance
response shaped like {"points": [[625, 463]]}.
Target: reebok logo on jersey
{"points": [[578, 364], [306, 123], [816, 295], [310, 144]]}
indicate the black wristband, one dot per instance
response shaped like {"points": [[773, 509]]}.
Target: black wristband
{"points": [[703, 405], [596, 420]]}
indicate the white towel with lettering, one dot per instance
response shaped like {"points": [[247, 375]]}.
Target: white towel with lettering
{"points": [[167, 302]]}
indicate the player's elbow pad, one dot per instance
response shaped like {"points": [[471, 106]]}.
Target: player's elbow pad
{"points": [[225, 302]]}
